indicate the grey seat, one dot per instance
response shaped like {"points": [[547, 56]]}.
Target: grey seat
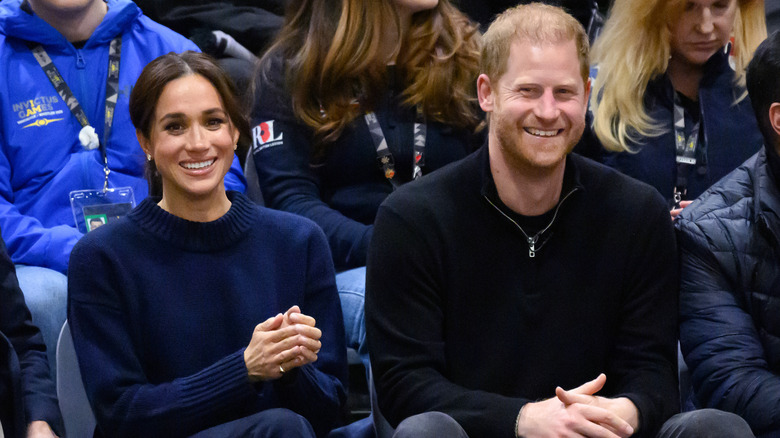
{"points": [[252, 182], [76, 412]]}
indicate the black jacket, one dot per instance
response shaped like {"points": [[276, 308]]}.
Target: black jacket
{"points": [[26, 388], [730, 294]]}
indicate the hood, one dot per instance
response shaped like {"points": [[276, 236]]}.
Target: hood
{"points": [[18, 23]]}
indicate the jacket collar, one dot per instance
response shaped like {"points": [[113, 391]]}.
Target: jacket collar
{"points": [[766, 196], [18, 23], [714, 69]]}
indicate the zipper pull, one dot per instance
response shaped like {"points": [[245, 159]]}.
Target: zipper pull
{"points": [[80, 63], [532, 247]]}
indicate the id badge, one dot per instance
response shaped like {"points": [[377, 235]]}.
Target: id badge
{"points": [[93, 208]]}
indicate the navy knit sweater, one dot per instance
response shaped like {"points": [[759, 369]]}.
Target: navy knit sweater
{"points": [[162, 309]]}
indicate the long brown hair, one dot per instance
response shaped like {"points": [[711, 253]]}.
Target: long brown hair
{"points": [[333, 56]]}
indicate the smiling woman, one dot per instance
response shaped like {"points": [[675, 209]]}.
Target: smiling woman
{"points": [[188, 314], [192, 142]]}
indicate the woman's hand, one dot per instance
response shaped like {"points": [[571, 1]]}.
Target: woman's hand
{"points": [[40, 429], [676, 211], [281, 343]]}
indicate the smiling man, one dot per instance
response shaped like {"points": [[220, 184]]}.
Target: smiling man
{"points": [[524, 269]]}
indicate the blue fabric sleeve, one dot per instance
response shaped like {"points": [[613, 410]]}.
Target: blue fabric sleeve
{"points": [[234, 180], [27, 239]]}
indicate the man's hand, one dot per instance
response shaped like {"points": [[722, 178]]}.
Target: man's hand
{"points": [[40, 429], [577, 412]]}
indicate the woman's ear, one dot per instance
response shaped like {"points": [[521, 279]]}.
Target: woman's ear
{"points": [[236, 135], [145, 144]]}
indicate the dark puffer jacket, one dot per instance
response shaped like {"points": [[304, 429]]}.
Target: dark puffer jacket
{"points": [[730, 293]]}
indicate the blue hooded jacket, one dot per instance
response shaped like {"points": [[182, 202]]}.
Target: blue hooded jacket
{"points": [[42, 160]]}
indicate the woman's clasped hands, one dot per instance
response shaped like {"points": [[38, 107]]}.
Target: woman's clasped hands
{"points": [[282, 343]]}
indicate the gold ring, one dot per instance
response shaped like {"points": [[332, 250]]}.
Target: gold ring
{"points": [[281, 370]]}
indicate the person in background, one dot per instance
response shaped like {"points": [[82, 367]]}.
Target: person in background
{"points": [[523, 269], [730, 254], [49, 147], [28, 405], [484, 11], [201, 313], [669, 99], [772, 16], [353, 100], [235, 31]]}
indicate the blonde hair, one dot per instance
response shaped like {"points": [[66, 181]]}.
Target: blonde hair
{"points": [[634, 48], [334, 56], [535, 22]]}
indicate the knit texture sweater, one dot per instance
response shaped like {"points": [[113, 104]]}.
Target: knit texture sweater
{"points": [[162, 309], [460, 319]]}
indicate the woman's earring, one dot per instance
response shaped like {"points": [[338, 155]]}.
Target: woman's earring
{"points": [[148, 157]]}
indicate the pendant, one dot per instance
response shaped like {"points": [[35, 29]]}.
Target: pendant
{"points": [[88, 138]]}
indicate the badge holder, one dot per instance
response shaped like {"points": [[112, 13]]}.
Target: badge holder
{"points": [[93, 208]]}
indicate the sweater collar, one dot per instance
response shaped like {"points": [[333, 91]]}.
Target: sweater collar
{"points": [[571, 179], [197, 236]]}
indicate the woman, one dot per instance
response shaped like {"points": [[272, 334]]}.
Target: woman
{"points": [[354, 100], [666, 100], [196, 313]]}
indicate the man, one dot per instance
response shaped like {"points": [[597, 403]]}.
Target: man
{"points": [[28, 406], [50, 150], [730, 258], [522, 269]]}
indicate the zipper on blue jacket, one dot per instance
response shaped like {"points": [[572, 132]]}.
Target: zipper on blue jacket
{"points": [[80, 63]]}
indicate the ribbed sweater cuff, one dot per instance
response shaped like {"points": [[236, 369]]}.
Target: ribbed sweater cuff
{"points": [[223, 384]]}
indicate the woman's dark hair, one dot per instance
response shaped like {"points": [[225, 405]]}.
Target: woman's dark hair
{"points": [[166, 68]]}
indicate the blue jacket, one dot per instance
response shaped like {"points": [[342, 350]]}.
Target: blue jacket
{"points": [[730, 294], [730, 137], [340, 191], [42, 160]]}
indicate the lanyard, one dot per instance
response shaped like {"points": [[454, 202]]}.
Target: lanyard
{"points": [[385, 157], [685, 147], [87, 136]]}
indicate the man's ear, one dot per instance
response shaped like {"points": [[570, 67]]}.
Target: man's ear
{"points": [[485, 93], [587, 92], [774, 117]]}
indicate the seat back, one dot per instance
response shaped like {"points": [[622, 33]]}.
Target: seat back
{"points": [[76, 412], [252, 181], [381, 425]]}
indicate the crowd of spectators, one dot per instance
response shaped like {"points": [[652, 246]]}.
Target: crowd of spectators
{"points": [[503, 218]]}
